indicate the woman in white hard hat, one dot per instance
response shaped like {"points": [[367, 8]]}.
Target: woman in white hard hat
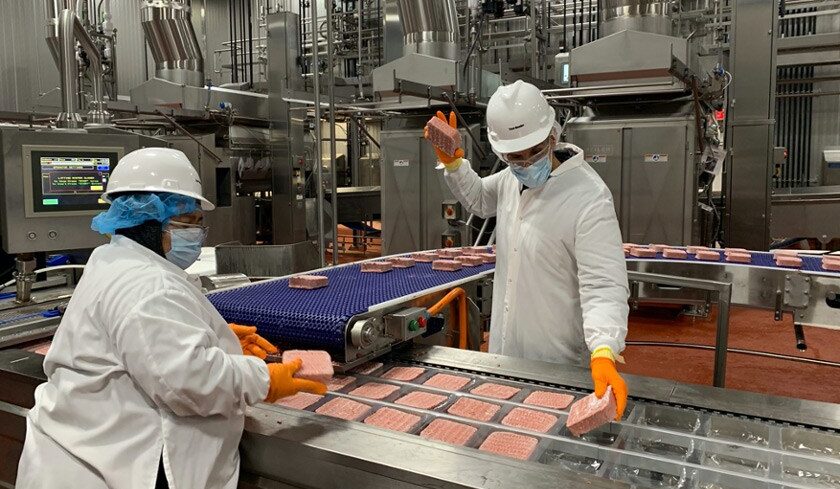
{"points": [[147, 384], [560, 291]]}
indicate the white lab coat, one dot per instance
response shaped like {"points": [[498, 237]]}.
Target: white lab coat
{"points": [[142, 366], [561, 280]]}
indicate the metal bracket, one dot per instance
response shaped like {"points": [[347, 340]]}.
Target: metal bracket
{"points": [[797, 290]]}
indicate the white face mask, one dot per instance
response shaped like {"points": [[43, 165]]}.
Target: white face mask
{"points": [[536, 174], [186, 245]]}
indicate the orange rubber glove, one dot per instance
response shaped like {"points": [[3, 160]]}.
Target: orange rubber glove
{"points": [[604, 374], [253, 344], [451, 162], [283, 384]]}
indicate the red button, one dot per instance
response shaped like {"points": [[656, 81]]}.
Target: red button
{"points": [[422, 321]]}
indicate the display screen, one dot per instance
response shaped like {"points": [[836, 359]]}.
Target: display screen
{"points": [[70, 180], [566, 73]]}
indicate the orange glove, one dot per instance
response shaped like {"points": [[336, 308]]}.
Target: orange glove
{"points": [[451, 162], [604, 374], [253, 344], [283, 384]]}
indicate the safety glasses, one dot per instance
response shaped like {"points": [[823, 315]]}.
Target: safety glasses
{"points": [[184, 225], [528, 157]]}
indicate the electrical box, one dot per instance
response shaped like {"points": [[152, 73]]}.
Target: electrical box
{"points": [[451, 210], [406, 324], [450, 239], [831, 166]]}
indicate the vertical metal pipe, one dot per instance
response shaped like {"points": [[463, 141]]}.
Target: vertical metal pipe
{"points": [[535, 42], [250, 43], [359, 48], [722, 334], [565, 27], [331, 87], [234, 76], [319, 167], [69, 70]]}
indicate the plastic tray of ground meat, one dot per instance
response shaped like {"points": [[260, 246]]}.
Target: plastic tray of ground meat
{"points": [[403, 374], [549, 399], [301, 400], [375, 390], [495, 390], [340, 382], [395, 419], [421, 399], [449, 431], [317, 365], [443, 136], [532, 419], [474, 409], [369, 368], [450, 382], [509, 444], [341, 408]]}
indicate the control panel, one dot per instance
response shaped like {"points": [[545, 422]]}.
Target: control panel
{"points": [[407, 323]]}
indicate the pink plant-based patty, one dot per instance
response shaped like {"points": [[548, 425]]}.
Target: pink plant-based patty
{"points": [[487, 257], [449, 253], [590, 412], [301, 400], [675, 254], [509, 444], [448, 432], [339, 382], [421, 400], [374, 390], [470, 260], [447, 382], [553, 400], [446, 265], [393, 419], [739, 257], [377, 267], [317, 365], [831, 264], [402, 262], [708, 255], [343, 409], [529, 419], [496, 391], [692, 250], [466, 407], [40, 348], [785, 252], [727, 251], [788, 261], [643, 252], [443, 136], [404, 374], [659, 247], [308, 282], [475, 250], [424, 257]]}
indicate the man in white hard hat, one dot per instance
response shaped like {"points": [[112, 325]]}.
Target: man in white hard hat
{"points": [[560, 291], [147, 384]]}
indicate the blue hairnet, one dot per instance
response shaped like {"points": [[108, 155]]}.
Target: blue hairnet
{"points": [[130, 210]]}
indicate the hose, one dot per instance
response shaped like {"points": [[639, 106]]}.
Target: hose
{"points": [[45, 270], [461, 295]]}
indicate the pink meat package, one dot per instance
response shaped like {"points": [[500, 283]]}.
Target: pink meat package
{"points": [[308, 282], [590, 413], [317, 365], [443, 136]]}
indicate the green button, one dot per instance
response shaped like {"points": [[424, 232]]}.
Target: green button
{"points": [[413, 325], [50, 201]]}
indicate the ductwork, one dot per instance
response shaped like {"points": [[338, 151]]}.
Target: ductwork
{"points": [[635, 15], [63, 30], [430, 27], [172, 40]]}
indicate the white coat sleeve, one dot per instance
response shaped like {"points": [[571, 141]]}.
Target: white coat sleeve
{"points": [[171, 353], [602, 276], [478, 195]]}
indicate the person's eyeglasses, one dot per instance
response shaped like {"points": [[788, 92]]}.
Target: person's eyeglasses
{"points": [[186, 225], [524, 159]]}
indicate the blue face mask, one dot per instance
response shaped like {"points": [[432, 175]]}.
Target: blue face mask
{"points": [[186, 246], [535, 175]]}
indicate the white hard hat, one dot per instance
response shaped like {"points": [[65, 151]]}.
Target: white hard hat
{"points": [[518, 118], [156, 170]]}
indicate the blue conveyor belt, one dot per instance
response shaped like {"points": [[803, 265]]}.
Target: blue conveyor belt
{"points": [[759, 259], [317, 318]]}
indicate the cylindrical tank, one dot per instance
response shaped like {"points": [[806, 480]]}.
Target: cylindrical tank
{"points": [[637, 15], [430, 27], [172, 40]]}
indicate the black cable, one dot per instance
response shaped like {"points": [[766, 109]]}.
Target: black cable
{"points": [[474, 44]]}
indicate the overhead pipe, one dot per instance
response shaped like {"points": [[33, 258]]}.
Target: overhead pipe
{"points": [[319, 166], [68, 71], [98, 113], [430, 27], [172, 41]]}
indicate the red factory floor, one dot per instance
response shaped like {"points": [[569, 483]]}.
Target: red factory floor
{"points": [[748, 329]]}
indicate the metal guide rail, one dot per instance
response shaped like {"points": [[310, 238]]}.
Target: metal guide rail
{"points": [[655, 446]]}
